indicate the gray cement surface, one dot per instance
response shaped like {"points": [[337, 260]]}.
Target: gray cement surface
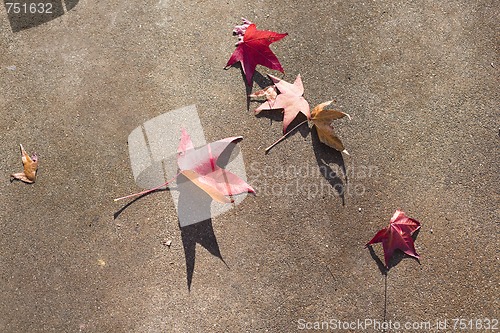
{"points": [[420, 80]]}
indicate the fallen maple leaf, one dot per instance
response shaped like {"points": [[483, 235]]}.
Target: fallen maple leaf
{"points": [[397, 235], [322, 118], [253, 49], [200, 167], [30, 165], [289, 100]]}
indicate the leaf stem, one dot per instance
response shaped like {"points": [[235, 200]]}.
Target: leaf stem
{"points": [[147, 191], [284, 136]]}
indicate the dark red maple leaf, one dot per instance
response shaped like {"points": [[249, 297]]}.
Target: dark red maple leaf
{"points": [[397, 235], [253, 49]]}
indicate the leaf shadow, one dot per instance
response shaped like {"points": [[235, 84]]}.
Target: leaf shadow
{"points": [[196, 232], [272, 115], [193, 205], [381, 267], [383, 270], [295, 126], [200, 233], [229, 154], [325, 157], [303, 130], [261, 80]]}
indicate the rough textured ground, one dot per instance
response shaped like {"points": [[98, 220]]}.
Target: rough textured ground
{"points": [[420, 80]]}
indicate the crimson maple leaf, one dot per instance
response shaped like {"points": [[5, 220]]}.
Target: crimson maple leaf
{"points": [[253, 49], [200, 167], [397, 235], [289, 99]]}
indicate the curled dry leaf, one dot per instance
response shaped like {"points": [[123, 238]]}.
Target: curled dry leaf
{"points": [[322, 118], [30, 165], [240, 30], [270, 93]]}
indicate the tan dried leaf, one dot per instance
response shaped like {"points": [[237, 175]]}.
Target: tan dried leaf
{"points": [[322, 118], [30, 166]]}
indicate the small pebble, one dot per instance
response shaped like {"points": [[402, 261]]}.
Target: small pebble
{"points": [[359, 209]]}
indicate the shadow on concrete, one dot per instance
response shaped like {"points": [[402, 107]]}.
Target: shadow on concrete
{"points": [[261, 80], [200, 233], [118, 212], [28, 14], [192, 201], [383, 270], [297, 125], [381, 267], [326, 156], [303, 130]]}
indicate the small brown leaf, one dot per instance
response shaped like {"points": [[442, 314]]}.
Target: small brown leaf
{"points": [[322, 118], [269, 93], [30, 166]]}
